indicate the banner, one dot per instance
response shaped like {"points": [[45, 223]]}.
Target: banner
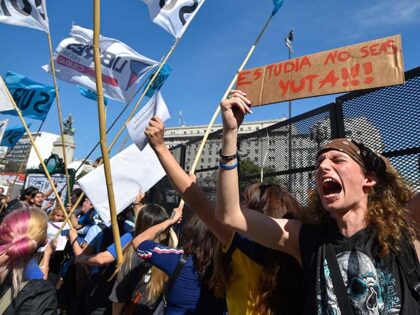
{"points": [[29, 13], [159, 80], [173, 16], [122, 67], [132, 170], [12, 135], [32, 98], [156, 106], [5, 101], [363, 66]]}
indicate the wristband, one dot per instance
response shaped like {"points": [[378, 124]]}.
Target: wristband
{"points": [[228, 167], [227, 158]]}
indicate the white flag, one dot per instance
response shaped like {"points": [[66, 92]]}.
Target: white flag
{"points": [[155, 107], [29, 13], [5, 101], [3, 125], [122, 67], [132, 170], [173, 16]]}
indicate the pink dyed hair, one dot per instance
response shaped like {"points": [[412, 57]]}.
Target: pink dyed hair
{"points": [[18, 241]]}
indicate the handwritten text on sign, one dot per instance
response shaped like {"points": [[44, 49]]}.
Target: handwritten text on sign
{"points": [[362, 66]]}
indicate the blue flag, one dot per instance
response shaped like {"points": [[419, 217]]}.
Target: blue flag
{"points": [[277, 5], [12, 135], [90, 94], [160, 79], [33, 99]]}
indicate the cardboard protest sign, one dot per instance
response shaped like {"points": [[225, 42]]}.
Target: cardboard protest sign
{"points": [[363, 66]]}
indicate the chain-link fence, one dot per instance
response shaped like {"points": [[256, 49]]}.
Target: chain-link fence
{"points": [[386, 119]]}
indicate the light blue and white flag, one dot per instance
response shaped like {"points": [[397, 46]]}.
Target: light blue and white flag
{"points": [[122, 66], [12, 135], [277, 5], [160, 79], [90, 94], [173, 16], [32, 98], [29, 13]]}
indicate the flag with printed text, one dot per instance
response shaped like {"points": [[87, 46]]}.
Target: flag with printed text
{"points": [[173, 16], [32, 98], [29, 13], [122, 66], [12, 135]]}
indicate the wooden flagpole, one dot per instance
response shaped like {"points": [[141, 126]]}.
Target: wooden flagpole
{"points": [[102, 130], [144, 92], [60, 115], [216, 113], [36, 150], [26, 159]]}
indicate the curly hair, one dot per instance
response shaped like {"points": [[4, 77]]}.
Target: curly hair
{"points": [[386, 211]]}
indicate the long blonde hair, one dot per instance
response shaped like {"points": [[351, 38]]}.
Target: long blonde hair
{"points": [[22, 232], [149, 215]]}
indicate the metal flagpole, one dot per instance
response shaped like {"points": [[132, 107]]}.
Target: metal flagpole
{"points": [[288, 41], [102, 130]]}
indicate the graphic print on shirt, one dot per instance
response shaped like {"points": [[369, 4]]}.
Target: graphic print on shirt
{"points": [[371, 290]]}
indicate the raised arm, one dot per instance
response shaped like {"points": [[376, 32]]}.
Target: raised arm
{"points": [[186, 187], [152, 232], [279, 234]]}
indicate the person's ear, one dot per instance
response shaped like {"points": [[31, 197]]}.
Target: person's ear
{"points": [[370, 180]]}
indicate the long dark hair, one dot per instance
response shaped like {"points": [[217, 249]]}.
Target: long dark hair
{"points": [[279, 288], [199, 241]]}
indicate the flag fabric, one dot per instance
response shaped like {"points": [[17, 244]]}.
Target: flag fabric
{"points": [[5, 101], [132, 170], [90, 94], [3, 125], [12, 135], [29, 13], [32, 98], [277, 5], [160, 79], [289, 40], [156, 106], [173, 16], [122, 67]]}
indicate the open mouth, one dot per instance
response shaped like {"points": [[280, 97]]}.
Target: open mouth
{"points": [[330, 187]]}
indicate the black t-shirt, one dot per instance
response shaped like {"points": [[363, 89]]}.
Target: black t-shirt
{"points": [[373, 285]]}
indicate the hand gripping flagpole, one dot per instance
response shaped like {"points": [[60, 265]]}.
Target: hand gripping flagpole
{"points": [[60, 115], [102, 129], [216, 113], [144, 92], [36, 151]]}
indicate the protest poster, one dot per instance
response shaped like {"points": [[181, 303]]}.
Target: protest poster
{"points": [[366, 65]]}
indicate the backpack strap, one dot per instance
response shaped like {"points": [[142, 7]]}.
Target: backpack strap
{"points": [[337, 280], [7, 297], [174, 276]]}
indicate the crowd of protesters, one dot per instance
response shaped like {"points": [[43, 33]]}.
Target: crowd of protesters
{"points": [[354, 249]]}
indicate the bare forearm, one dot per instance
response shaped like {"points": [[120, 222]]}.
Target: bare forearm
{"points": [[192, 194], [151, 233], [100, 259]]}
